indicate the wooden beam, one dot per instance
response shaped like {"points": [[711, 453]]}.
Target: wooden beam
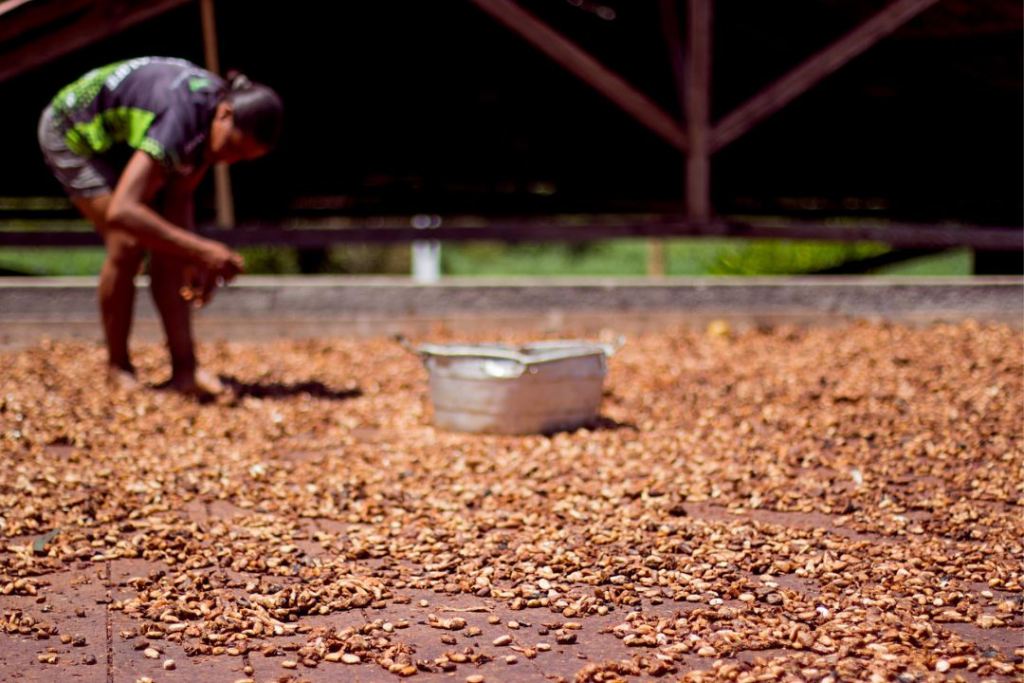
{"points": [[223, 198], [9, 6], [573, 58], [95, 22], [33, 20], [901, 235], [657, 259], [800, 79]]}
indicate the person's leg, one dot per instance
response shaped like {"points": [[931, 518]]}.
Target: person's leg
{"points": [[166, 278], [89, 182], [169, 277], [117, 281]]}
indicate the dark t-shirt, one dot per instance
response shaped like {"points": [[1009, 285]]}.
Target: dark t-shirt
{"points": [[159, 105]]}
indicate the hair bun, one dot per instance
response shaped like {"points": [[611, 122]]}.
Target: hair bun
{"points": [[238, 80]]}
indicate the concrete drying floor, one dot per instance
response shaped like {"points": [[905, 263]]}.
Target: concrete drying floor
{"points": [[806, 503]]}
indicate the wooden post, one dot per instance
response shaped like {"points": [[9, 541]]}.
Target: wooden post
{"points": [[656, 257], [697, 97], [692, 69], [670, 23], [221, 176]]}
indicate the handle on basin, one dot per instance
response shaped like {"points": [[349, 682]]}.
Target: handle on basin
{"points": [[405, 344]]}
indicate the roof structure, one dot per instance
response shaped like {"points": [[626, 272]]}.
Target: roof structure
{"points": [[447, 110]]}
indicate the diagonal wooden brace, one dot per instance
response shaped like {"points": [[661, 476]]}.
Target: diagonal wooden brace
{"points": [[573, 58], [800, 79]]}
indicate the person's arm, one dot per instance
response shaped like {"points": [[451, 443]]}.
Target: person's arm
{"points": [[129, 210], [178, 207]]}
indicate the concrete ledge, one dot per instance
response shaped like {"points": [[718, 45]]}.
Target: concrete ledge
{"points": [[269, 307]]}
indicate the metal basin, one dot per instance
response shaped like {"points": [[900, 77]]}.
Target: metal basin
{"points": [[537, 388]]}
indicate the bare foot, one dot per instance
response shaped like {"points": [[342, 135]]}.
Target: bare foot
{"points": [[200, 384], [119, 378], [209, 383]]}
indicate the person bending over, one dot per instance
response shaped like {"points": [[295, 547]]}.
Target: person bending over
{"points": [[130, 143]]}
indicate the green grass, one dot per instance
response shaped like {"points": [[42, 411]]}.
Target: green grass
{"points": [[694, 257], [611, 258], [52, 261]]}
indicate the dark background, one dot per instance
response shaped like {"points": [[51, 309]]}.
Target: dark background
{"points": [[411, 106]]}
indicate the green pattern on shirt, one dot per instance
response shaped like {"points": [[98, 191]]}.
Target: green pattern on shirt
{"points": [[120, 124], [161, 106], [79, 94]]}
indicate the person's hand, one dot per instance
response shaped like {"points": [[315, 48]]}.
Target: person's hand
{"points": [[221, 261], [199, 285]]}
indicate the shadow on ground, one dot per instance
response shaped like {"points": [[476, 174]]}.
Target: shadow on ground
{"points": [[281, 390], [598, 424]]}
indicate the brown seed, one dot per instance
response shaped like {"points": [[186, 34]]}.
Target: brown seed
{"points": [[989, 621]]}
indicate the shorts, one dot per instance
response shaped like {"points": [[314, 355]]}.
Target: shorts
{"points": [[81, 176]]}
